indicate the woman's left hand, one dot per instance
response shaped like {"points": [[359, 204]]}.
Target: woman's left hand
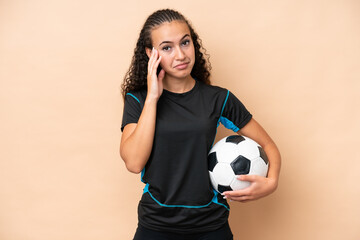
{"points": [[259, 187]]}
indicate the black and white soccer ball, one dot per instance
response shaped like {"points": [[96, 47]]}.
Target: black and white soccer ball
{"points": [[235, 155]]}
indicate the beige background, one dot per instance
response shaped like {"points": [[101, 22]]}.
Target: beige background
{"points": [[295, 65]]}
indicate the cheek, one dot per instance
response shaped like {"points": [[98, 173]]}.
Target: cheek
{"points": [[193, 53], [190, 52], [165, 62]]}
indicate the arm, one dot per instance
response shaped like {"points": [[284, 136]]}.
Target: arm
{"points": [[260, 186], [137, 138]]}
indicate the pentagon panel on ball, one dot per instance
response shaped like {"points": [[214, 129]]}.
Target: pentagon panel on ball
{"points": [[235, 155]]}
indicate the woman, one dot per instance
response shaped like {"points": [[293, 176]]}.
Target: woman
{"points": [[170, 118]]}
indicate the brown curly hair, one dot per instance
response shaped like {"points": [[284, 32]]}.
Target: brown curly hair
{"points": [[136, 76]]}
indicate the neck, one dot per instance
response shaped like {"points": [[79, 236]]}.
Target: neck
{"points": [[178, 85]]}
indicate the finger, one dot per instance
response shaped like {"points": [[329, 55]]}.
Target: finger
{"points": [[154, 61], [161, 76], [242, 198], [237, 193], [157, 63], [151, 60], [239, 198], [249, 178]]}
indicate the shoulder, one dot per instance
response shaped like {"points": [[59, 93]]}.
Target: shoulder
{"points": [[138, 95], [213, 91]]}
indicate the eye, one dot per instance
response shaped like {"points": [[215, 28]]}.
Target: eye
{"points": [[186, 42], [166, 48]]}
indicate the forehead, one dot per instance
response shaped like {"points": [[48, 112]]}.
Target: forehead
{"points": [[169, 31]]}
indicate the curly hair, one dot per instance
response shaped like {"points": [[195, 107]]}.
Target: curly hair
{"points": [[136, 76]]}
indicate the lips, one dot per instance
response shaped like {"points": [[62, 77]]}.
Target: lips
{"points": [[182, 66]]}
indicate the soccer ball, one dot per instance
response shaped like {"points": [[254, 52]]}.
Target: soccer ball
{"points": [[235, 155]]}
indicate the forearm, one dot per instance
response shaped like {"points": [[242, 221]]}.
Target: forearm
{"points": [[136, 148], [254, 131], [274, 158]]}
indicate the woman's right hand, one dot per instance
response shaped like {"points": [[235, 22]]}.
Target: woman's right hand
{"points": [[137, 138], [154, 82]]}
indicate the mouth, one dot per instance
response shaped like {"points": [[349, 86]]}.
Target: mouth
{"points": [[182, 66]]}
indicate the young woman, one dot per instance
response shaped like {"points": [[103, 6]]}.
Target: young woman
{"points": [[171, 114]]}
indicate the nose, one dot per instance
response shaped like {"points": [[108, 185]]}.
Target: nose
{"points": [[179, 54]]}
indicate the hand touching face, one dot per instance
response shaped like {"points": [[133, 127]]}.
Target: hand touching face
{"points": [[175, 46]]}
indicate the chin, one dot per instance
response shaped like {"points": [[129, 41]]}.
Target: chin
{"points": [[182, 74]]}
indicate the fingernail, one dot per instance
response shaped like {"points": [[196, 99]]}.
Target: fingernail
{"points": [[224, 197]]}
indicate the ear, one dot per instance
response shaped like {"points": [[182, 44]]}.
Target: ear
{"points": [[148, 52]]}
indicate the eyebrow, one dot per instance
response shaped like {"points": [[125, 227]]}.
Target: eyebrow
{"points": [[186, 35]]}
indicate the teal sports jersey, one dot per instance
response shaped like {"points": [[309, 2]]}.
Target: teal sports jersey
{"points": [[178, 196]]}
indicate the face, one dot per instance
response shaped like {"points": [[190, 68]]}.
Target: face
{"points": [[174, 44]]}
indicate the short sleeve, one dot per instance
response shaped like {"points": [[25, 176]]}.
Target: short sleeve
{"points": [[132, 110], [234, 114]]}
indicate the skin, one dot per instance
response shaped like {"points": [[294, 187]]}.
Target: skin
{"points": [[172, 42], [174, 51]]}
